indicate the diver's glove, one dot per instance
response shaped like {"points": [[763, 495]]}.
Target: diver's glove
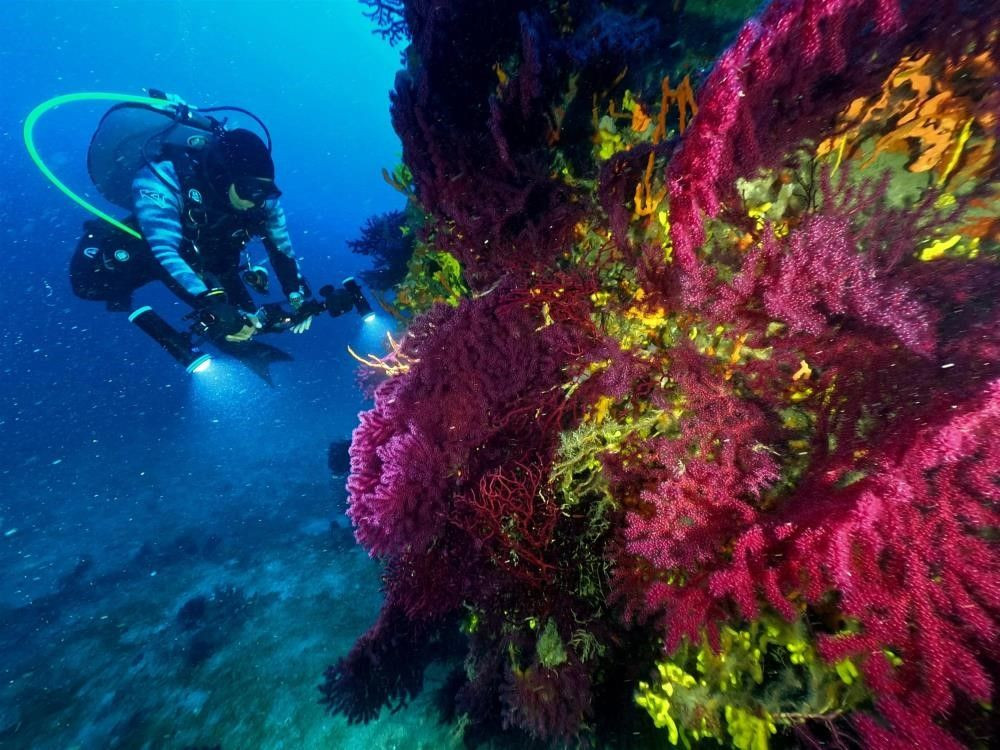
{"points": [[220, 320], [296, 300]]}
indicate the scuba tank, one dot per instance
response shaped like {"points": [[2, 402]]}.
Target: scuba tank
{"points": [[136, 131], [132, 135]]}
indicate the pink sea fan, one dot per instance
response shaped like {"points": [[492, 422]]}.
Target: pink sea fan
{"points": [[406, 500], [819, 275], [478, 372], [906, 551], [698, 504], [707, 477], [788, 73]]}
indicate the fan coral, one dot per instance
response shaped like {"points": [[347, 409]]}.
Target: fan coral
{"points": [[904, 547], [548, 703], [388, 240], [782, 80], [789, 277], [475, 160], [507, 515], [388, 18], [476, 370], [385, 667]]}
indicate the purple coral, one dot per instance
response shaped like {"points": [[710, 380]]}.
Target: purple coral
{"points": [[388, 18], [905, 550], [804, 293], [710, 475], [384, 668], [474, 146], [397, 484], [856, 484], [549, 703], [849, 263], [383, 239]]}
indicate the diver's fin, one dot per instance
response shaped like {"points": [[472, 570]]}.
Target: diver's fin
{"points": [[255, 356]]}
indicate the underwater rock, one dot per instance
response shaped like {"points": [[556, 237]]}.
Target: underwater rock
{"points": [[210, 622], [77, 576], [339, 457], [192, 613]]}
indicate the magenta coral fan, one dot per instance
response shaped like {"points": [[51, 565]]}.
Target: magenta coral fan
{"points": [[782, 80], [791, 280], [430, 430], [907, 551], [903, 551], [708, 475], [397, 484]]}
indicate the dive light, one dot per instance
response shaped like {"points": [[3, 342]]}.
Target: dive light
{"points": [[176, 344], [361, 304]]}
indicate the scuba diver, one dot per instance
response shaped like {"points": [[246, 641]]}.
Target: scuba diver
{"points": [[197, 210], [197, 191]]}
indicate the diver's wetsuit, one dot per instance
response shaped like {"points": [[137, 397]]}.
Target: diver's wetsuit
{"points": [[192, 242]]}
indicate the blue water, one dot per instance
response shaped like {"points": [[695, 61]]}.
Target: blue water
{"points": [[127, 487]]}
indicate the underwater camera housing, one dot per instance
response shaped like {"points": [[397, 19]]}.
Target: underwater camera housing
{"points": [[333, 301], [272, 318]]}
